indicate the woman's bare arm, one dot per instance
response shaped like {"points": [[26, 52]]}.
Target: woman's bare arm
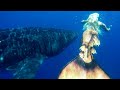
{"points": [[84, 21], [103, 25]]}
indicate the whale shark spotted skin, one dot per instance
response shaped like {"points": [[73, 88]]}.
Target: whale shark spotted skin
{"points": [[22, 50]]}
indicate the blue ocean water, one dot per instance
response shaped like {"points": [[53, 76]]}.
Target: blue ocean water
{"points": [[107, 56]]}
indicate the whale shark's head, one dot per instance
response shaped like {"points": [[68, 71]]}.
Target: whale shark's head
{"points": [[19, 44]]}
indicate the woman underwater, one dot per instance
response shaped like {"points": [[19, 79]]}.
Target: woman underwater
{"points": [[84, 66], [90, 36]]}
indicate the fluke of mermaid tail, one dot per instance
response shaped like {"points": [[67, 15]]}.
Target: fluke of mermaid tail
{"points": [[80, 67]]}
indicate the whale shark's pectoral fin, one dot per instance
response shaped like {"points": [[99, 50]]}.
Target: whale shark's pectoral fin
{"points": [[12, 68], [26, 69]]}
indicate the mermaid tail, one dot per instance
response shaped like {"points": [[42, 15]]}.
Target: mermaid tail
{"points": [[78, 69], [84, 65]]}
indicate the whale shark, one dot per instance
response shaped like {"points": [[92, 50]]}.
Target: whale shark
{"points": [[23, 49]]}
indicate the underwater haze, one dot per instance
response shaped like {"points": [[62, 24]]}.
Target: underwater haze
{"points": [[107, 57]]}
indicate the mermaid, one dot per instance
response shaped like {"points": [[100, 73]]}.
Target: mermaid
{"points": [[90, 36], [84, 66]]}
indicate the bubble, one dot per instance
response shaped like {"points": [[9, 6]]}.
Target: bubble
{"points": [[1, 59]]}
